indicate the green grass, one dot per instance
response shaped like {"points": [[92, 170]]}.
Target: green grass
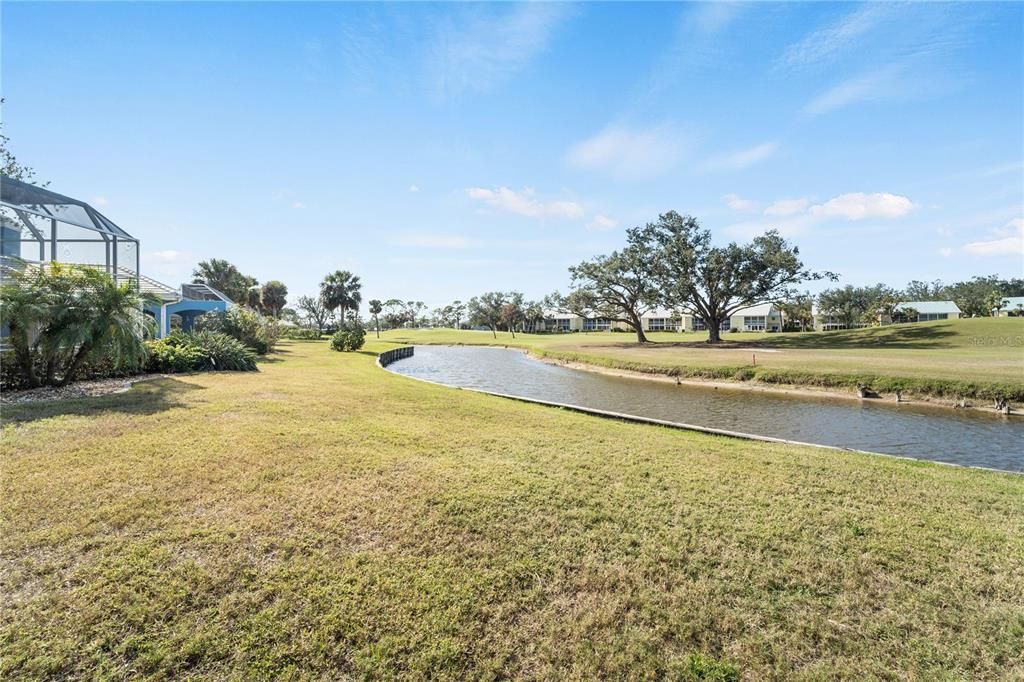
{"points": [[325, 519], [978, 358]]}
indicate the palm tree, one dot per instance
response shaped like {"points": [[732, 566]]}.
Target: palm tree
{"points": [[375, 309], [225, 278], [23, 310], [340, 289], [106, 317], [273, 297]]}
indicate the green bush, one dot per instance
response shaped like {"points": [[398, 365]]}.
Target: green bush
{"points": [[200, 351], [256, 331], [301, 334], [348, 339]]}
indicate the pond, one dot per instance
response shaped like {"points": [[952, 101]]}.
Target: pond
{"points": [[909, 429]]}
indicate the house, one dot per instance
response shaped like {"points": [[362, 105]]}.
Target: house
{"points": [[39, 227], [825, 322], [926, 311], [661, 320], [757, 318], [1011, 304]]}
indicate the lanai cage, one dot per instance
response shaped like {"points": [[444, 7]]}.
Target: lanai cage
{"points": [[40, 226]]}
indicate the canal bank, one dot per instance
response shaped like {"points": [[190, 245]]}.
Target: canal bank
{"points": [[910, 430], [807, 390]]}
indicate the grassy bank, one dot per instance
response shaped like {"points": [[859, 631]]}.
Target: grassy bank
{"points": [[976, 358], [322, 518]]}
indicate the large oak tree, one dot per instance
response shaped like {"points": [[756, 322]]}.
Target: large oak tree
{"points": [[620, 286], [715, 282]]}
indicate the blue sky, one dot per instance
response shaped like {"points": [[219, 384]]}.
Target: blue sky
{"points": [[439, 151]]}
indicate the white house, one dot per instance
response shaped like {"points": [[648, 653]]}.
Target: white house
{"points": [[757, 318], [927, 311], [1013, 304]]}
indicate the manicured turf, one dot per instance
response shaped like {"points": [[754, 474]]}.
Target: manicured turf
{"points": [[325, 519], [931, 356]]}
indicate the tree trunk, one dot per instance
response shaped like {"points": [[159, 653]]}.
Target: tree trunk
{"points": [[715, 332], [638, 327], [494, 332], [376, 326], [69, 375], [25, 361]]}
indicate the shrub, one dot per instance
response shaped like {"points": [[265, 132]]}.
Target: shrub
{"points": [[200, 351], [243, 324], [301, 334], [348, 339], [67, 322]]}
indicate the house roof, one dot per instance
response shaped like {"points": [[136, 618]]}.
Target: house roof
{"points": [[1011, 302], [757, 310], [930, 307]]}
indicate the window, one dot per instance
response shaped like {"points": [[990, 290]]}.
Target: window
{"points": [[600, 324], [563, 324], [754, 323], [660, 324], [930, 317], [699, 326]]}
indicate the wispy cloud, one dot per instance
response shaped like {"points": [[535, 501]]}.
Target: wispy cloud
{"points": [[823, 45], [474, 52], [1006, 241], [738, 203], [742, 158], [524, 202], [99, 201], [696, 43], [602, 223], [787, 207], [629, 152], [414, 188], [865, 87], [298, 205]]}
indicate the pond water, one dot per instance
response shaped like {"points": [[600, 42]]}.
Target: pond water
{"points": [[908, 429]]}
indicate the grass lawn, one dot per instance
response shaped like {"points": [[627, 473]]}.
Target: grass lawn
{"points": [[985, 352], [323, 518]]}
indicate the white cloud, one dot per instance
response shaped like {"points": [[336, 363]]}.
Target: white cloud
{"points": [[858, 206], [795, 216], [738, 203], [629, 153], [743, 158], [414, 188], [1007, 241], [525, 203], [298, 204], [471, 52], [786, 207], [434, 241], [945, 252], [99, 201], [602, 223]]}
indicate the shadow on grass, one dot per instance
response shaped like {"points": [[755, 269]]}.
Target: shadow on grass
{"points": [[147, 397]]}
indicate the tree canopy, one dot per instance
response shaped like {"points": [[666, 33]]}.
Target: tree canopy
{"points": [[341, 289], [621, 286], [716, 281]]}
